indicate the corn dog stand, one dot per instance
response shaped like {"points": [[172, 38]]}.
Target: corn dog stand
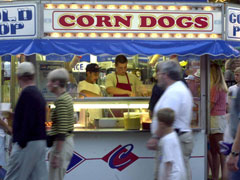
{"points": [[115, 148]]}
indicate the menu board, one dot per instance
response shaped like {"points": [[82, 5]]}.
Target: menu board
{"points": [[43, 68]]}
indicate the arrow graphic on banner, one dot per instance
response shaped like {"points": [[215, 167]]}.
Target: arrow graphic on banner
{"points": [[76, 160]]}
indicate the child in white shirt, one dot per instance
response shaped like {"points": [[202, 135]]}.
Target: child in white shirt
{"points": [[170, 161]]}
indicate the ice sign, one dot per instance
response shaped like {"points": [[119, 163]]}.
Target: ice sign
{"points": [[80, 67]]}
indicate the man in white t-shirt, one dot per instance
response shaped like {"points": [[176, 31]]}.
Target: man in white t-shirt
{"points": [[232, 119], [89, 88], [179, 98], [233, 89]]}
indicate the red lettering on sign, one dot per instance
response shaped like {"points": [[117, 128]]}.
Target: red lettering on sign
{"points": [[85, 21], [126, 22], [146, 22], [146, 19], [166, 21], [63, 21], [201, 22], [181, 22], [101, 20]]}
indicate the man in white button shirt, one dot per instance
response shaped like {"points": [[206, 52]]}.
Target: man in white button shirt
{"points": [[179, 98]]}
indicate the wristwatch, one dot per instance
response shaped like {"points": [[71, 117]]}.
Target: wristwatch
{"points": [[234, 153]]}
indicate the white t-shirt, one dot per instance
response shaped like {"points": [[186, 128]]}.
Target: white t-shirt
{"points": [[179, 98], [84, 85], [232, 90], [94, 88], [111, 81], [171, 152]]}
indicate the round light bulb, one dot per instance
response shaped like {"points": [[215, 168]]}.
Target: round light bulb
{"points": [[55, 35], [49, 6], [80, 35], [74, 6], [130, 35], [62, 6]]}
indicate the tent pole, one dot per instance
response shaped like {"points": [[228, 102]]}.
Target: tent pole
{"points": [[13, 81], [205, 105], [1, 80]]}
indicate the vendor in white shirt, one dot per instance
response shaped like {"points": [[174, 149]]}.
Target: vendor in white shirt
{"points": [[89, 88]]}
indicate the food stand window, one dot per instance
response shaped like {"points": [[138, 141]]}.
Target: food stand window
{"points": [[43, 67]]}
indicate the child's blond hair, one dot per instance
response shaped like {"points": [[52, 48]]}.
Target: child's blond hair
{"points": [[167, 116], [237, 70]]}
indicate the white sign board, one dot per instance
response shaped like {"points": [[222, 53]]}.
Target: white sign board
{"points": [[132, 21], [80, 67], [233, 23], [18, 21]]}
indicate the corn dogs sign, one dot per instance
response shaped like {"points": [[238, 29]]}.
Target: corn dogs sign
{"points": [[127, 21]]}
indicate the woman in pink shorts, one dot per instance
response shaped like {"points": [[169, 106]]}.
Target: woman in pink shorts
{"points": [[218, 122]]}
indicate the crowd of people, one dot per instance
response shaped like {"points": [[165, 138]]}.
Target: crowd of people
{"points": [[170, 109], [178, 99], [29, 137], [224, 121]]}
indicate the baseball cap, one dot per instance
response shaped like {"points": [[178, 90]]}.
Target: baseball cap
{"points": [[93, 67], [197, 73], [25, 69]]}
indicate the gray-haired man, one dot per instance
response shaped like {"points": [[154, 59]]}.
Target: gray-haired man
{"points": [[177, 97]]}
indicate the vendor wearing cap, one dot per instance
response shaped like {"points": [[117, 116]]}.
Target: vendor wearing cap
{"points": [[197, 83], [88, 87], [191, 83], [122, 83]]}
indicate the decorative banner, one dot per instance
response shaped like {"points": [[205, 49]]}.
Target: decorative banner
{"points": [[18, 21], [132, 21], [233, 23]]}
